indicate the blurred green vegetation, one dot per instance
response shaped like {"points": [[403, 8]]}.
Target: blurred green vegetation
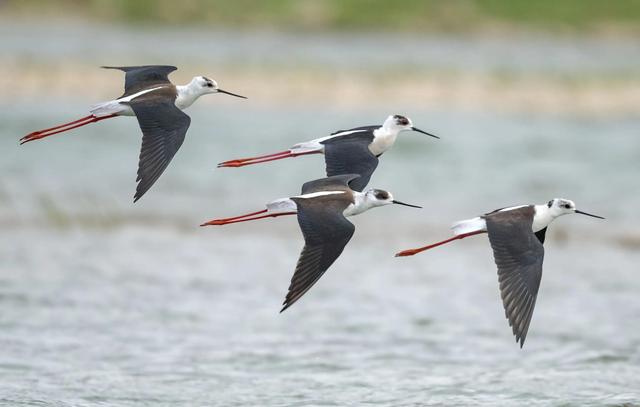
{"points": [[409, 15]]}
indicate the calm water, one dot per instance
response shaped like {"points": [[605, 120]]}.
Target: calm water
{"points": [[105, 302], [94, 44]]}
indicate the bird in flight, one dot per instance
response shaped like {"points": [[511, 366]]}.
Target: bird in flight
{"points": [[157, 104], [322, 210], [516, 235], [353, 151]]}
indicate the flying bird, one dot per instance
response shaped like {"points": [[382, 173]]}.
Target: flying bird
{"points": [[353, 151], [322, 210], [157, 104], [516, 235]]}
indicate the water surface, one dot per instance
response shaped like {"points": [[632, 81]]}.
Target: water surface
{"points": [[106, 302]]}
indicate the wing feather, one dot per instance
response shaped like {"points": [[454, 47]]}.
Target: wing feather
{"points": [[334, 183], [519, 254], [350, 154], [326, 233], [164, 127], [137, 78]]}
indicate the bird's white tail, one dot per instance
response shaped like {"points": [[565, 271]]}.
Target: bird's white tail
{"points": [[469, 226], [109, 108], [281, 205], [306, 147]]}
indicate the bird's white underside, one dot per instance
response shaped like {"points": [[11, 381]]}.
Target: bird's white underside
{"points": [[541, 219], [361, 204], [116, 106], [288, 205], [185, 97], [383, 139], [316, 144]]}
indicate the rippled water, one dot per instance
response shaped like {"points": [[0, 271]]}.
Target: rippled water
{"points": [[106, 302]]}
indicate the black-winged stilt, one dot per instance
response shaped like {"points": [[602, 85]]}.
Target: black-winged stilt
{"points": [[516, 235], [322, 209], [353, 151], [157, 104]]}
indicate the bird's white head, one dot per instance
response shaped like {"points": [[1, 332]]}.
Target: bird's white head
{"points": [[397, 123], [379, 197], [372, 198], [559, 206], [204, 86], [199, 85]]}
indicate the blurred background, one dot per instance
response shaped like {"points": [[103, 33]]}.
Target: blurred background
{"points": [[107, 302]]}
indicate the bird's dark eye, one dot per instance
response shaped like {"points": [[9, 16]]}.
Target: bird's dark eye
{"points": [[567, 206], [382, 195], [401, 120], [209, 84]]}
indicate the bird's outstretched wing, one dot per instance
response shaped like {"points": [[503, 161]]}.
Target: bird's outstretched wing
{"points": [[163, 128], [356, 129], [350, 154], [334, 183], [519, 254], [326, 232], [138, 78]]}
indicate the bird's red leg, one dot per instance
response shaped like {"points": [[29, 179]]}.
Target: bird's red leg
{"points": [[411, 252], [241, 216], [65, 124], [36, 135], [245, 218], [241, 162]]}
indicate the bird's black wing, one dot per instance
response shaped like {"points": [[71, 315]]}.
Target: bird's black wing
{"points": [[138, 78], [163, 128], [541, 234], [335, 183], [361, 128], [518, 254], [350, 154], [326, 232]]}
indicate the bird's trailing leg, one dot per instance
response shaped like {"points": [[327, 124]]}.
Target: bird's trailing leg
{"points": [[36, 135], [411, 252], [247, 217], [241, 162]]}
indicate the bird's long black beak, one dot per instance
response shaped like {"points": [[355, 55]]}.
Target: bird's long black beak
{"points": [[406, 204], [588, 214], [423, 132], [232, 94]]}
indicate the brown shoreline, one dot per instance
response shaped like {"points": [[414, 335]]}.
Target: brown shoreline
{"points": [[431, 90]]}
